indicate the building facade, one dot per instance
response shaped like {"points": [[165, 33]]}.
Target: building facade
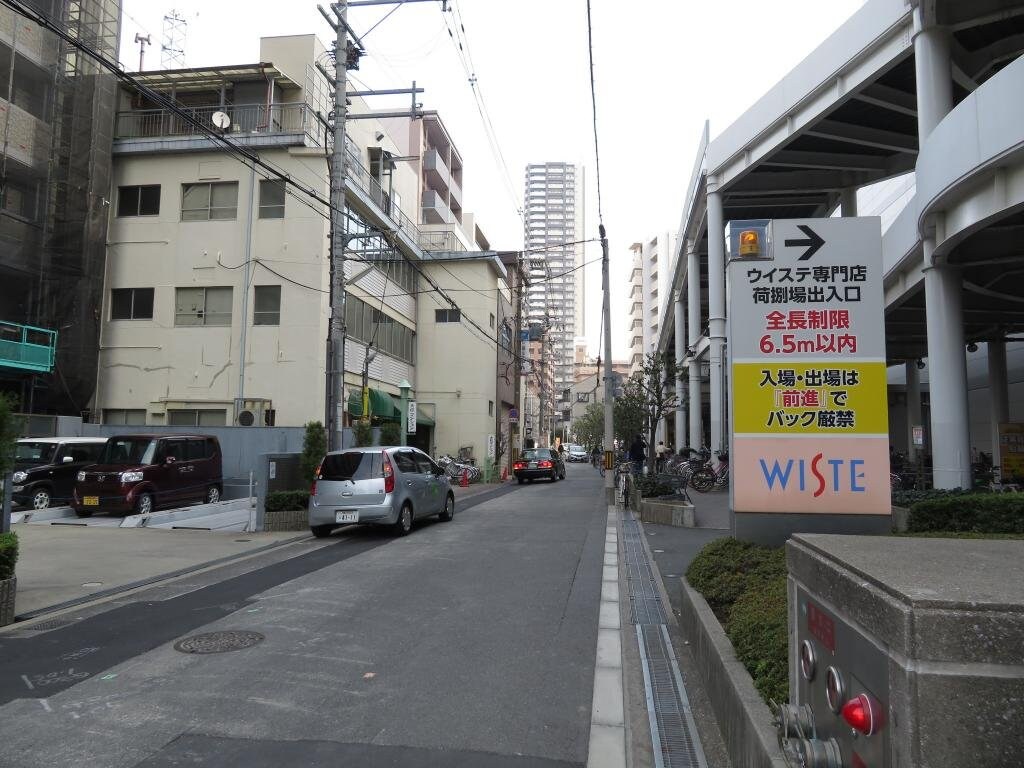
{"points": [[56, 116], [636, 309]]}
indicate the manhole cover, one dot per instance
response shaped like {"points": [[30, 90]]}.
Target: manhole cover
{"points": [[218, 642]]}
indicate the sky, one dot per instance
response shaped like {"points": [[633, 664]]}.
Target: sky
{"points": [[661, 67]]}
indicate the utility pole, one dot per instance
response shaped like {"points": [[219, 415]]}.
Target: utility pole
{"points": [[142, 43], [609, 391]]}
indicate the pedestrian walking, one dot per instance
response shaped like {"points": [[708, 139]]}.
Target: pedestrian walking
{"points": [[661, 453], [637, 454]]}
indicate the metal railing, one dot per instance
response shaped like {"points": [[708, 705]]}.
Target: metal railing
{"points": [[441, 241], [27, 347], [362, 178], [245, 119]]}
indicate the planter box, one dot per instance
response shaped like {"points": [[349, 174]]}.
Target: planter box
{"points": [[286, 520], [743, 718], [667, 513], [8, 587]]}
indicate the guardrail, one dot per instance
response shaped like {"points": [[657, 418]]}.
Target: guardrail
{"points": [[245, 119], [27, 347]]}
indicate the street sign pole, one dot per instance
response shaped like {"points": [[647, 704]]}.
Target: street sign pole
{"points": [[808, 387]]}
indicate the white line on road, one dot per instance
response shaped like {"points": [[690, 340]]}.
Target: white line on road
{"points": [[28, 682]]}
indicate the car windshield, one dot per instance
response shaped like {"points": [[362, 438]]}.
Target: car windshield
{"points": [[536, 453], [35, 453], [128, 450], [351, 465]]}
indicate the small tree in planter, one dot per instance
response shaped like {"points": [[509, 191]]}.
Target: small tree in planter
{"points": [[8, 541], [364, 433], [314, 446], [390, 433]]}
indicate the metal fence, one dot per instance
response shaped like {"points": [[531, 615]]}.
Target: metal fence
{"points": [[245, 118]]}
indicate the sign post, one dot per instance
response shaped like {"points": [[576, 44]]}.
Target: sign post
{"points": [[808, 390], [411, 418]]}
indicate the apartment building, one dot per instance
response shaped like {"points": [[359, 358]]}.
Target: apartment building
{"points": [[636, 309], [56, 115], [554, 224], [218, 280]]}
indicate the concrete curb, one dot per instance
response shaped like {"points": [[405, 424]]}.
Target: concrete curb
{"points": [[744, 719], [607, 748]]}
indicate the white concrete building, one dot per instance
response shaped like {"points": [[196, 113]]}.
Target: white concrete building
{"points": [[636, 309]]}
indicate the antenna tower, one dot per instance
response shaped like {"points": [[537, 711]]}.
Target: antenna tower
{"points": [[172, 51]]}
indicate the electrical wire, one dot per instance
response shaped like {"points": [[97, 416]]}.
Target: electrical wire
{"points": [[593, 104], [400, 3]]}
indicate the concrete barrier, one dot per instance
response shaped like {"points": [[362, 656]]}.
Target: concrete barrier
{"points": [[674, 513], [743, 718]]}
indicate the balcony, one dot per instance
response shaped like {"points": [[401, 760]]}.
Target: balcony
{"points": [[357, 176], [441, 241], [27, 347], [251, 125], [435, 209], [436, 172]]}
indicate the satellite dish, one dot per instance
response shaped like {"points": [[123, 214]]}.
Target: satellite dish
{"points": [[221, 120]]}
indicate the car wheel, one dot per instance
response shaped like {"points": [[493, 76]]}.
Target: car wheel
{"points": [[404, 524], [144, 504], [554, 476], [212, 494], [321, 531], [519, 480], [449, 509], [562, 476], [40, 498]]}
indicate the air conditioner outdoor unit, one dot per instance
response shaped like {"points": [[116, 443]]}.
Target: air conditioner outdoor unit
{"points": [[254, 412]]}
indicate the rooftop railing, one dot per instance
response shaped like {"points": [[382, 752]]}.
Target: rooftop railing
{"points": [[288, 118], [27, 347]]}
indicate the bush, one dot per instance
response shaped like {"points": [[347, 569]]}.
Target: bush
{"points": [[8, 554], [969, 513], [364, 433], [390, 433], [649, 486], [723, 569], [285, 501], [314, 447], [758, 629], [910, 497]]}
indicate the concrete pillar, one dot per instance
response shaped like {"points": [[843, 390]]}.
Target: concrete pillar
{"points": [[999, 394], [913, 406], [680, 350], [716, 316], [848, 202], [693, 306], [947, 363]]}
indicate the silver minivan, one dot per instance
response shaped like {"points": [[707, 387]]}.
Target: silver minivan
{"points": [[379, 485]]}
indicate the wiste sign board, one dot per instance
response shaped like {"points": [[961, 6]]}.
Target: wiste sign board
{"points": [[808, 398]]}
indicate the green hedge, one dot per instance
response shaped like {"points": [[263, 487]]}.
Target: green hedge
{"points": [[649, 486], [969, 513], [8, 554], [910, 497], [283, 501], [745, 585]]}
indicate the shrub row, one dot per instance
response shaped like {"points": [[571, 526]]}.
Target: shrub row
{"points": [[745, 585], [8, 554], [910, 497], [969, 513], [649, 486], [283, 501]]}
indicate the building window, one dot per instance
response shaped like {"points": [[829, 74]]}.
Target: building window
{"points": [[197, 417], [367, 324], [267, 305], [134, 417], [447, 315], [139, 200], [209, 201], [490, 407], [202, 306], [131, 304], [271, 199], [492, 319]]}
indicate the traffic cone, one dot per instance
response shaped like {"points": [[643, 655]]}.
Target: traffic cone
{"points": [[464, 480], [504, 474]]}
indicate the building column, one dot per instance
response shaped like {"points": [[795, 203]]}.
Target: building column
{"points": [[693, 306], [947, 362], [913, 406], [848, 202], [680, 350], [999, 394], [716, 316]]}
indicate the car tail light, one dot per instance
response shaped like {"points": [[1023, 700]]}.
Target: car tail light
{"points": [[544, 464], [862, 714], [312, 489], [389, 474], [519, 465]]}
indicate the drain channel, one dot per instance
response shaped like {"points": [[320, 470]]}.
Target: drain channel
{"points": [[673, 730]]}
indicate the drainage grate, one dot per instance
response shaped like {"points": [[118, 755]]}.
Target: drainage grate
{"points": [[218, 642], [673, 730], [45, 626]]}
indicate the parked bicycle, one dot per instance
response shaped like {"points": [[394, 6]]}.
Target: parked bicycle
{"points": [[455, 469], [708, 477]]}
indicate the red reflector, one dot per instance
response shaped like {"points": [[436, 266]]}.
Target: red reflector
{"points": [[862, 714]]}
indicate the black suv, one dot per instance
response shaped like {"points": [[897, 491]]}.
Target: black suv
{"points": [[45, 468]]}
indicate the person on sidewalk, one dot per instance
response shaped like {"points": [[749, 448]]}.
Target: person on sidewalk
{"points": [[637, 454], [661, 453]]}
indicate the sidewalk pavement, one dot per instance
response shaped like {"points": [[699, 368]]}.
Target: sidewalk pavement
{"points": [[57, 563]]}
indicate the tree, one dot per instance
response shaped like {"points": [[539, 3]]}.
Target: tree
{"points": [[647, 397], [314, 447], [588, 429], [364, 433]]}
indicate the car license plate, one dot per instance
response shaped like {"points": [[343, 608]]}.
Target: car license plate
{"points": [[346, 517], [91, 501], [533, 465]]}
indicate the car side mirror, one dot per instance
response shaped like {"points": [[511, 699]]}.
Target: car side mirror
{"points": [[67, 459], [169, 460]]}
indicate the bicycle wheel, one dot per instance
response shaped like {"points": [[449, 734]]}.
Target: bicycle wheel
{"points": [[702, 480]]}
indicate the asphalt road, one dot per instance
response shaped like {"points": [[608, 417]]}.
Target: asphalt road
{"points": [[469, 643]]}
